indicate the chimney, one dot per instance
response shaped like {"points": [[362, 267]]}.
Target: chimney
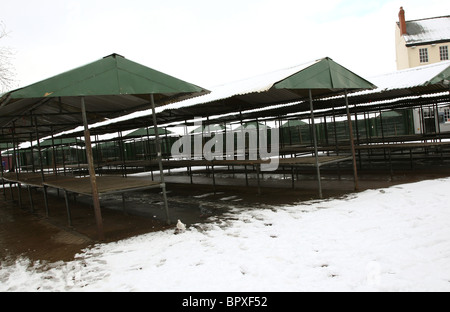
{"points": [[402, 22]]}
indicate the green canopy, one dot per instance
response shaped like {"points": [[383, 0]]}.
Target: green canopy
{"points": [[326, 75], [293, 123], [108, 88], [57, 142], [252, 125], [111, 87], [390, 114], [143, 132], [111, 75]]}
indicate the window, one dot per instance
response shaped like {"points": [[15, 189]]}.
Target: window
{"points": [[443, 52], [446, 114], [428, 112], [423, 55]]}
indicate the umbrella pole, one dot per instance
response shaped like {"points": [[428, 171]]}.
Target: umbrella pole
{"points": [[315, 144], [352, 143], [159, 155], [90, 159]]}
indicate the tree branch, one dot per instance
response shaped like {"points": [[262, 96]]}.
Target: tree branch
{"points": [[6, 69]]}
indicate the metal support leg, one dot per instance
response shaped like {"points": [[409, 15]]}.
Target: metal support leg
{"points": [[11, 191], [391, 169], [159, 155], [293, 177], [257, 177], [123, 204], [31, 198], [352, 144], [69, 215], [4, 190], [19, 190], [246, 175], [92, 175], [319, 182], [214, 180], [46, 202]]}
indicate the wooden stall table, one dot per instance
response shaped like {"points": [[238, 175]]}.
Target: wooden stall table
{"points": [[106, 185]]}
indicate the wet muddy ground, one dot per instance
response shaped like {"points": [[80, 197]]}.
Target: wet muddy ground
{"points": [[41, 238]]}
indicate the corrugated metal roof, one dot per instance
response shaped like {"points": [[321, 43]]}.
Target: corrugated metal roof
{"points": [[427, 31], [257, 84], [392, 87], [323, 76], [402, 88], [428, 78]]}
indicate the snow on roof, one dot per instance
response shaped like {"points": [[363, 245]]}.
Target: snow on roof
{"points": [[406, 78], [403, 79], [256, 84], [426, 31]]}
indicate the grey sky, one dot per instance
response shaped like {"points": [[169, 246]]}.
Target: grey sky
{"points": [[206, 42]]}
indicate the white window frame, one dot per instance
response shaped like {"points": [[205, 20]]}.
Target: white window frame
{"points": [[443, 53], [423, 55]]}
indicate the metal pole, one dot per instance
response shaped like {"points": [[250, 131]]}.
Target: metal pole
{"points": [[9, 168], [2, 169], [90, 159], [167, 145], [31, 153], [123, 204], [243, 140], [159, 155], [214, 179], [382, 132], [16, 164], [352, 142], [436, 116], [326, 133], [31, 199], [258, 169], [357, 136], [55, 170], [41, 165], [315, 144], [149, 152], [69, 214]]}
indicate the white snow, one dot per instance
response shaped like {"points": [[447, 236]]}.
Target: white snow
{"points": [[393, 239], [181, 227], [405, 78], [428, 30]]}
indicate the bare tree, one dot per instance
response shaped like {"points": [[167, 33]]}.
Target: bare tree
{"points": [[6, 68]]}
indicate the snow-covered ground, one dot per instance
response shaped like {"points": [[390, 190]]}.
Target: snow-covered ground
{"points": [[394, 239]]}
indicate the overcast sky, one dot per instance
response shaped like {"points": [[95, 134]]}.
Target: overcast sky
{"points": [[206, 42]]}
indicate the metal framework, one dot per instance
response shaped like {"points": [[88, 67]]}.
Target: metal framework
{"points": [[320, 89]]}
